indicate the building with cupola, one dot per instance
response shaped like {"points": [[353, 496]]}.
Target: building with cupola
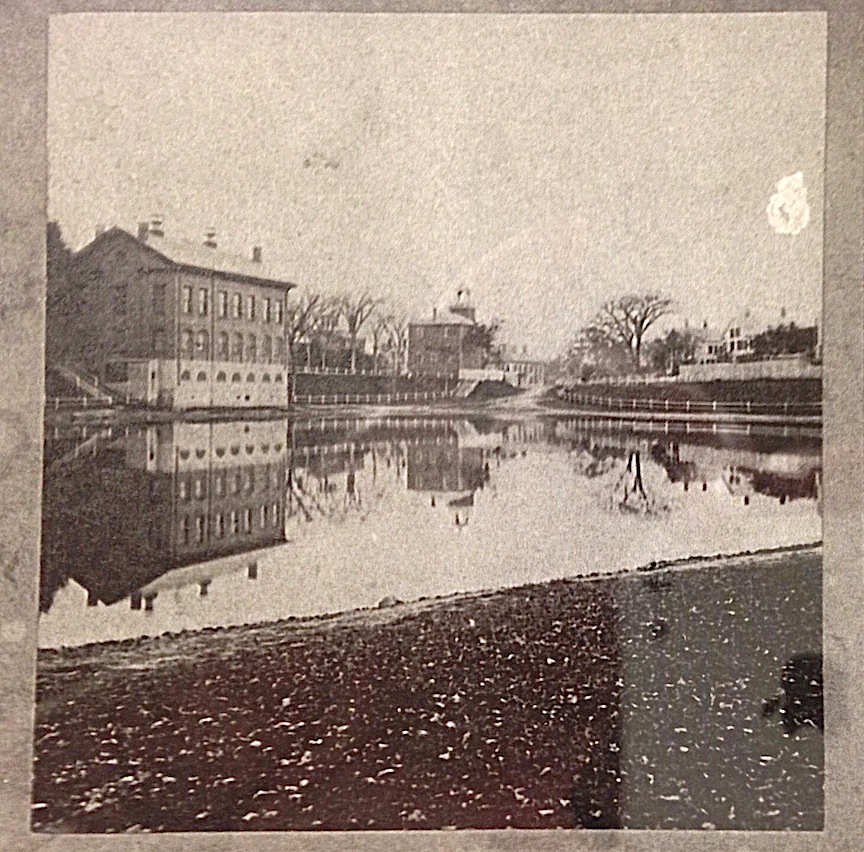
{"points": [[448, 343]]}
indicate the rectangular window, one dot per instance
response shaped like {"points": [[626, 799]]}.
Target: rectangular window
{"points": [[203, 301], [159, 343], [252, 349], [237, 348], [186, 342], [267, 350], [187, 300], [220, 525], [200, 528], [267, 313], [237, 306], [251, 308], [277, 312], [159, 293], [223, 346], [222, 304], [202, 344]]}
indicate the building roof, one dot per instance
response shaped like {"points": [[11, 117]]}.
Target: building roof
{"points": [[445, 317], [196, 256]]}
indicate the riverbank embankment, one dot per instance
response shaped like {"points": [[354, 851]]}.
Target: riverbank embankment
{"points": [[598, 701]]}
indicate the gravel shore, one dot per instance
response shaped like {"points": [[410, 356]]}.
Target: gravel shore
{"points": [[631, 700]]}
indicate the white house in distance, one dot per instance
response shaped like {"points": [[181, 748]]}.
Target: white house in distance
{"points": [[728, 344], [520, 370]]}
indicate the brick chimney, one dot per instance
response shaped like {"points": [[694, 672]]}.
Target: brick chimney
{"points": [[210, 238], [155, 228], [256, 254]]}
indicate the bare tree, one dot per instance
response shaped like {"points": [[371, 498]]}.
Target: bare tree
{"points": [[300, 319], [356, 310], [379, 331], [325, 324], [397, 342], [626, 320]]}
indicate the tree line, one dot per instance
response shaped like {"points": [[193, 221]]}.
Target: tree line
{"points": [[617, 341]]}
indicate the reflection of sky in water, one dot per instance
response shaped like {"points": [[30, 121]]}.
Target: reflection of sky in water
{"points": [[405, 511]]}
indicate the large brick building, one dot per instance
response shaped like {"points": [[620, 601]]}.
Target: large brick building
{"points": [[175, 324], [447, 344]]}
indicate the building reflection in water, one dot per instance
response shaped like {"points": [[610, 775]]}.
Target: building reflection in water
{"points": [[129, 515], [203, 497]]}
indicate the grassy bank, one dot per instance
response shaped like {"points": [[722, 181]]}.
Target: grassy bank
{"points": [[602, 702]]}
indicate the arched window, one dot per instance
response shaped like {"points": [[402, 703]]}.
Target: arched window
{"points": [[185, 376], [265, 377], [202, 376], [235, 377], [220, 376], [278, 378], [250, 377]]}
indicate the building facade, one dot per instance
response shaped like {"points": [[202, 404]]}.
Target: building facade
{"points": [[175, 324], [447, 344]]}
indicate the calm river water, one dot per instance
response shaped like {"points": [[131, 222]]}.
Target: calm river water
{"points": [[189, 525]]}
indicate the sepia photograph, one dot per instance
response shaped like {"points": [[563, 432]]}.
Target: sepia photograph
{"points": [[433, 423]]}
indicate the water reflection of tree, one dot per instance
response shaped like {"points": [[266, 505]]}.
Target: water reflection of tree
{"points": [[316, 488], [631, 488]]}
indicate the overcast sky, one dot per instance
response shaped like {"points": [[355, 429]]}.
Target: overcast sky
{"points": [[546, 162]]}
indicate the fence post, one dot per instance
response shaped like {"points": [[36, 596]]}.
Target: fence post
{"points": [[785, 413], [687, 408], [714, 407], [748, 406]]}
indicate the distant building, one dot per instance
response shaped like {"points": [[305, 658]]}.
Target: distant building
{"points": [[175, 324], [520, 370], [447, 343], [732, 343]]}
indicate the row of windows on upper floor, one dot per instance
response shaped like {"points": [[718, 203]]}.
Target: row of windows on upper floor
{"points": [[201, 528], [222, 376], [236, 347], [232, 305], [238, 482]]}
